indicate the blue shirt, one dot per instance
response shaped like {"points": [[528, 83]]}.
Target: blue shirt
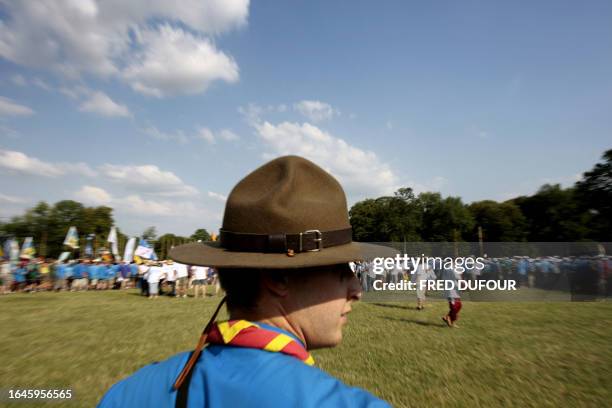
{"points": [[125, 270], [112, 271], [92, 271], [20, 275], [228, 376], [60, 271], [101, 272], [78, 271]]}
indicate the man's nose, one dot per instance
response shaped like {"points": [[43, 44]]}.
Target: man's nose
{"points": [[354, 289]]}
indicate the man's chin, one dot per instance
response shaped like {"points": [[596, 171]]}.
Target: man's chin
{"points": [[331, 341]]}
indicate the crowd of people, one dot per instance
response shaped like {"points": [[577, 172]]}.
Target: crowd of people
{"points": [[153, 278]]}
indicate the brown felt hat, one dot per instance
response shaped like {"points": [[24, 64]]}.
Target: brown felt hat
{"points": [[289, 213]]}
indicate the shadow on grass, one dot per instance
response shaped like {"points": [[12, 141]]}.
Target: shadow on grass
{"points": [[394, 306], [414, 321]]}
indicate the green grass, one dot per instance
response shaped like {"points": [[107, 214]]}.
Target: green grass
{"points": [[504, 354]]}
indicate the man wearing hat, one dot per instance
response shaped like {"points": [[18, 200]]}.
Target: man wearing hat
{"points": [[283, 259]]}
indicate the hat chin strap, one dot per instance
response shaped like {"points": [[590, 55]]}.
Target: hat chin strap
{"points": [[198, 350]]}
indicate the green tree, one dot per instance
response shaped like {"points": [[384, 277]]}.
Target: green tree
{"points": [[553, 214], [444, 219], [200, 235], [594, 195], [499, 221], [150, 234], [166, 242], [49, 225]]}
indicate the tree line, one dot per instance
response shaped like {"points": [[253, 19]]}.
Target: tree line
{"points": [[582, 212], [48, 225]]}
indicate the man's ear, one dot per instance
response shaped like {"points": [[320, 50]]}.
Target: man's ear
{"points": [[276, 282]]}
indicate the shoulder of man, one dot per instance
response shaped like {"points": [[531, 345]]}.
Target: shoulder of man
{"points": [[150, 386], [238, 377]]}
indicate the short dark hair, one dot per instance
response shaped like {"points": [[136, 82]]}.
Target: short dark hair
{"points": [[241, 286]]}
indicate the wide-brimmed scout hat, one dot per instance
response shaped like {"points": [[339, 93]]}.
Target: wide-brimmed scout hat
{"points": [[289, 213]]}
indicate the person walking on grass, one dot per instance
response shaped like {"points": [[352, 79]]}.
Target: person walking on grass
{"points": [[283, 261], [453, 296]]}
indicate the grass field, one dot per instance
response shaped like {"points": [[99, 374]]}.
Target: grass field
{"points": [[504, 354]]}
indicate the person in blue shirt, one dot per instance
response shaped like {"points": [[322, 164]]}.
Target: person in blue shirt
{"points": [[92, 272], [133, 274], [113, 274], [79, 272], [102, 272], [19, 277], [289, 290], [69, 275], [59, 276]]}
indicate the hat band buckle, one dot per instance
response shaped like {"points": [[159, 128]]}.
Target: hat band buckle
{"points": [[318, 240]]}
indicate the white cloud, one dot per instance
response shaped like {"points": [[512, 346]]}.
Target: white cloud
{"points": [[155, 133], [20, 163], [360, 171], [228, 135], [4, 198], [253, 112], [93, 195], [76, 37], [132, 204], [211, 137], [79, 168], [136, 204], [389, 125], [18, 79], [101, 104], [173, 61], [75, 92], [149, 179], [10, 108], [217, 196], [205, 133], [42, 84], [8, 131], [316, 111]]}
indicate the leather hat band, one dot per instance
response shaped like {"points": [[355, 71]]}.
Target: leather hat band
{"points": [[311, 240]]}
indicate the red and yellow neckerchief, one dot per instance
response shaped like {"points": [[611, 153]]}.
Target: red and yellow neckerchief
{"points": [[242, 333]]}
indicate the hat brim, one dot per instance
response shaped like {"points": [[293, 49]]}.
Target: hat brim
{"points": [[211, 254]]}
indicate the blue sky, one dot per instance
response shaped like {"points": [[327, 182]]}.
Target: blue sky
{"points": [[158, 110]]}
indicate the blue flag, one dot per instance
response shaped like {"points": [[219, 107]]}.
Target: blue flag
{"points": [[144, 250]]}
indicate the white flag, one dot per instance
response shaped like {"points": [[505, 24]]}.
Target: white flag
{"points": [[72, 238], [112, 239], [128, 255], [27, 249], [63, 256]]}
